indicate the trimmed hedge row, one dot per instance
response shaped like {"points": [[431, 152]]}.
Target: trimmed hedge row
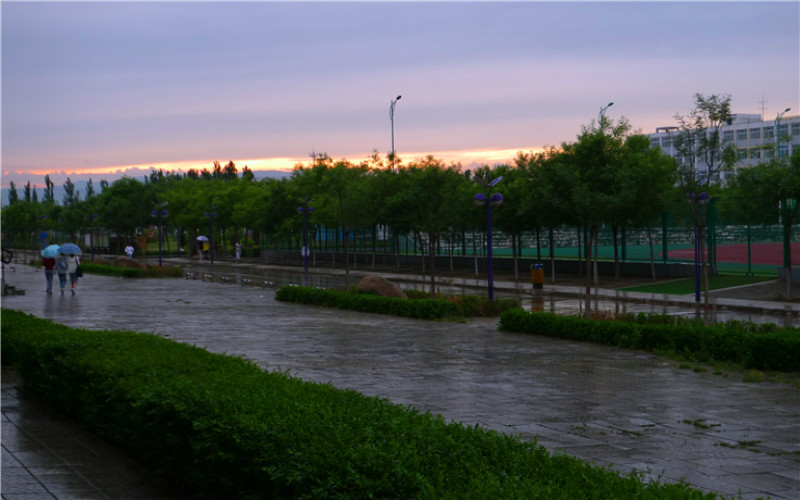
{"points": [[153, 272], [366, 302], [216, 426], [767, 348]]}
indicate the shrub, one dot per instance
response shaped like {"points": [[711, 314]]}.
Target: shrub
{"points": [[151, 272], [764, 347], [227, 429]]}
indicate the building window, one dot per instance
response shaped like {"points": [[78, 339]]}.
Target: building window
{"points": [[741, 135], [768, 154], [783, 150], [741, 154], [727, 136], [667, 142], [769, 132], [783, 130], [755, 154], [796, 129], [653, 142], [755, 134]]}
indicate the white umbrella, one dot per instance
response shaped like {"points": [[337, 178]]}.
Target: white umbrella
{"points": [[202, 238]]}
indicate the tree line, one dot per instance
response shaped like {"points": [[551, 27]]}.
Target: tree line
{"points": [[608, 177]]}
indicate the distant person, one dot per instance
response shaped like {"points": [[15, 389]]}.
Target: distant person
{"points": [[49, 264], [238, 252], [61, 268], [129, 251], [73, 261]]}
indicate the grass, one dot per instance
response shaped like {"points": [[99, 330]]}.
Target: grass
{"points": [[686, 286]]}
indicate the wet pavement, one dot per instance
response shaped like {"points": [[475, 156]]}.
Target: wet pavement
{"points": [[626, 409]]}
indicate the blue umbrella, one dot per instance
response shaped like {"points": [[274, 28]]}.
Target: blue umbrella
{"points": [[50, 251], [69, 249]]}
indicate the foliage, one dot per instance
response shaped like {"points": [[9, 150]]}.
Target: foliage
{"points": [[764, 347], [468, 306], [227, 429], [366, 302], [150, 272]]}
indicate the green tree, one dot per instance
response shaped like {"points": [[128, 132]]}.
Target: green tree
{"points": [[13, 196], [699, 138]]}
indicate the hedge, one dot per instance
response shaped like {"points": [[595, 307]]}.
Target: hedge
{"points": [[365, 302], [418, 304], [215, 426], [763, 347]]}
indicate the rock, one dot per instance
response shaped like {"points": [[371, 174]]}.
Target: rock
{"points": [[127, 263], [380, 286]]}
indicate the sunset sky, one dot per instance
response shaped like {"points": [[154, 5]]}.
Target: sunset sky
{"points": [[101, 89]]}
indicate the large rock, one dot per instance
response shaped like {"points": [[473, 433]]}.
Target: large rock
{"points": [[127, 263], [380, 286]]}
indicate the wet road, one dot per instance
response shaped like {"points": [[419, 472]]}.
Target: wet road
{"points": [[630, 410]]}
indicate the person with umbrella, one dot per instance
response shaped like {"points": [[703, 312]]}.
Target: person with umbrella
{"points": [[69, 256], [49, 262]]}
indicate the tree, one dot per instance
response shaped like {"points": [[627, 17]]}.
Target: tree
{"points": [[699, 138], [770, 192], [13, 196], [48, 196]]}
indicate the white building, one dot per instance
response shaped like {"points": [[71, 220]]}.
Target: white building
{"points": [[753, 138]]}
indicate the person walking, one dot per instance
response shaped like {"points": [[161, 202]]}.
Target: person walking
{"points": [[73, 261], [61, 269], [238, 252], [49, 264], [129, 251]]}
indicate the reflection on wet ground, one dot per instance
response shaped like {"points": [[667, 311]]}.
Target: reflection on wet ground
{"points": [[625, 409]]}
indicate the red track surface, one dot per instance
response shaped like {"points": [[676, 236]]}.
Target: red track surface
{"points": [[760, 253]]}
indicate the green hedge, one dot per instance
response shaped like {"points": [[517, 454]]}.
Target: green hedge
{"points": [[366, 302], [215, 426], [762, 347], [152, 272]]}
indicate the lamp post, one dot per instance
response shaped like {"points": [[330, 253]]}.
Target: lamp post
{"points": [[490, 200], [392, 104], [211, 214], [91, 233], [305, 209], [697, 202], [778, 130], [600, 115], [158, 213]]}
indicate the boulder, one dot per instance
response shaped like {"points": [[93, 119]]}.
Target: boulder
{"points": [[380, 286], [127, 263]]}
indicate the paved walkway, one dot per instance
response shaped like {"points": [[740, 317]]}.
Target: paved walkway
{"points": [[628, 410]]}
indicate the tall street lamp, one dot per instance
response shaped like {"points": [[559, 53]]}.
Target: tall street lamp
{"points": [[91, 233], [305, 209], [158, 213], [211, 214], [600, 115], [697, 202], [392, 104], [490, 200], [777, 131]]}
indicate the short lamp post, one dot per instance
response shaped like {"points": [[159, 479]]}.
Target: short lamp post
{"points": [[778, 131], [211, 214], [159, 213], [489, 200], [698, 203], [305, 209]]}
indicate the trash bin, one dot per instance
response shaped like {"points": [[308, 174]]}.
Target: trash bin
{"points": [[537, 275]]}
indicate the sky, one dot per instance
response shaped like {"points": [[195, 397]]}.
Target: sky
{"points": [[98, 90]]}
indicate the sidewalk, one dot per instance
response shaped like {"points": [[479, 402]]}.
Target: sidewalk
{"points": [[624, 409]]}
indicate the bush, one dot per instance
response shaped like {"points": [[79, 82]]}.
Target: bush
{"points": [[227, 429], [764, 347], [151, 272]]}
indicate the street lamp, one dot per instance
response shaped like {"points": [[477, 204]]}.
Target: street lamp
{"points": [[600, 115], [777, 131], [305, 209], [211, 214], [392, 104], [697, 201], [496, 200], [91, 233], [158, 213]]}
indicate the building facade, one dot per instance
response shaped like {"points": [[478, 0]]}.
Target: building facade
{"points": [[752, 136]]}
